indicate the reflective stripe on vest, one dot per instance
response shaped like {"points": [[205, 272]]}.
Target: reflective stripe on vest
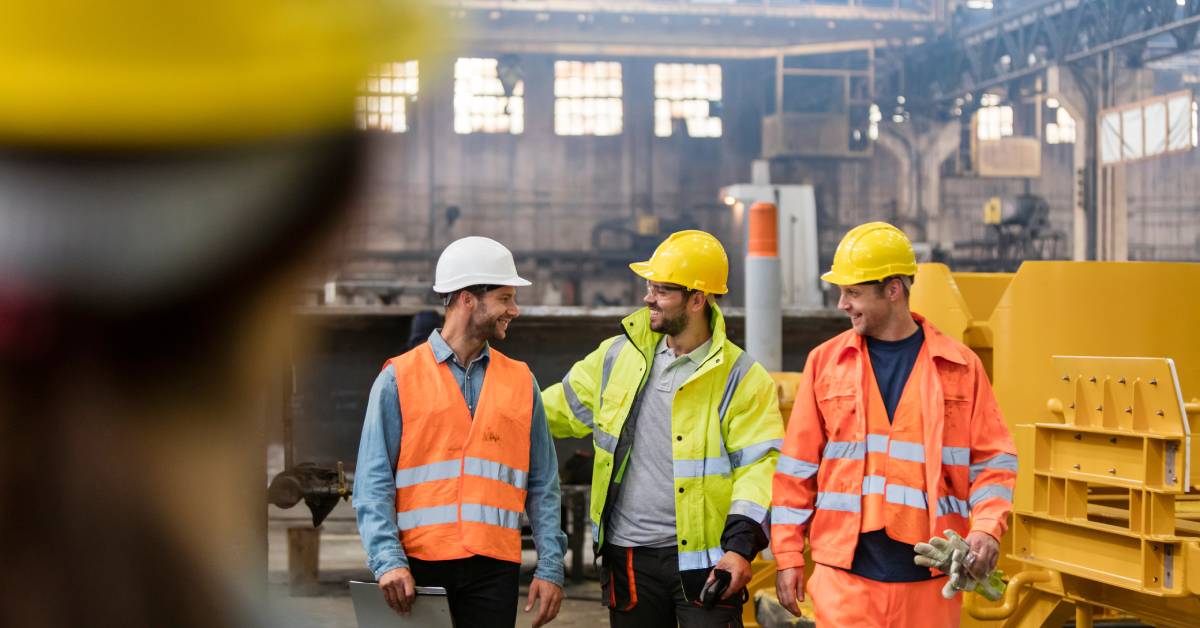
{"points": [[893, 484], [461, 479], [895, 495]]}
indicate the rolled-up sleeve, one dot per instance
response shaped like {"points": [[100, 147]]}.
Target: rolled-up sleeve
{"points": [[374, 477], [544, 499]]}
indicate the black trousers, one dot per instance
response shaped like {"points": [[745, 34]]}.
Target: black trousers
{"points": [[642, 589], [482, 591]]}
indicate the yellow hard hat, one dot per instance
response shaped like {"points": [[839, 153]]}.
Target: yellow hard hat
{"points": [[692, 259], [155, 73], [870, 252]]}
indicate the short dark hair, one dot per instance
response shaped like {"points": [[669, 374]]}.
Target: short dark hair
{"points": [[906, 281], [477, 290]]}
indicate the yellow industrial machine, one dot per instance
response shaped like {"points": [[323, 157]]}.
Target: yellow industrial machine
{"points": [[1097, 367]]}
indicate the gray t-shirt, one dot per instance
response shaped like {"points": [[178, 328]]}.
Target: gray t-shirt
{"points": [[644, 515]]}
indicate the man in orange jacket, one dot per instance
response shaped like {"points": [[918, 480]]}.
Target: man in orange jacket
{"points": [[895, 436]]}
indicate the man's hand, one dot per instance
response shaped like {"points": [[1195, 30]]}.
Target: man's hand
{"points": [[551, 597], [789, 588], [399, 589], [986, 549], [739, 571]]}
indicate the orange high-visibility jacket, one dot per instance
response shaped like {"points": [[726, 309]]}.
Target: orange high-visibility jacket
{"points": [[460, 481], [946, 462]]}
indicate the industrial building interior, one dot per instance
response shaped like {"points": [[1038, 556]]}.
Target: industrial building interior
{"points": [[1041, 155], [995, 133]]}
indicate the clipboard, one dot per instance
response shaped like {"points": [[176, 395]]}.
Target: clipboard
{"points": [[431, 608]]}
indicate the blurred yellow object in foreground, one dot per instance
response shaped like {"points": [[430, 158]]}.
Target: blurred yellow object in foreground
{"points": [[148, 73]]}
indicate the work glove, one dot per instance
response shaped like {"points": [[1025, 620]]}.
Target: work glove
{"points": [[952, 556], [938, 553]]}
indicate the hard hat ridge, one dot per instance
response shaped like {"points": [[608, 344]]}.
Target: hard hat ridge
{"points": [[693, 259], [871, 252], [474, 261]]}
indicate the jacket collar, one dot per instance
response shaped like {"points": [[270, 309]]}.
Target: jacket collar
{"points": [[939, 345], [637, 327], [443, 352]]}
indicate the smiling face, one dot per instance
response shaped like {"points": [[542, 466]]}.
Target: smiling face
{"points": [[670, 307], [871, 307], [493, 311]]}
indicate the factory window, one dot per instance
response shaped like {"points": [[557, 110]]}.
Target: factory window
{"points": [[993, 121], [587, 98], [1062, 129], [383, 99], [687, 92], [1149, 128], [481, 102]]}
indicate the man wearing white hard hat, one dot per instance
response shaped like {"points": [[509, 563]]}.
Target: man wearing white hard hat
{"points": [[454, 447]]}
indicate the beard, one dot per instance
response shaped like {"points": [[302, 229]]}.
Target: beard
{"points": [[669, 325], [486, 327]]}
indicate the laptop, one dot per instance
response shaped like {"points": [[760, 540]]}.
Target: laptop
{"points": [[430, 609]]}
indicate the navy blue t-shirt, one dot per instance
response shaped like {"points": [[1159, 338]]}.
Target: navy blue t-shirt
{"points": [[878, 556]]}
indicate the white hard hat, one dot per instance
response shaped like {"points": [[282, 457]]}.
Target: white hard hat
{"points": [[475, 261]]}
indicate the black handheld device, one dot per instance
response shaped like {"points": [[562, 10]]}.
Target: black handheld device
{"points": [[715, 588]]}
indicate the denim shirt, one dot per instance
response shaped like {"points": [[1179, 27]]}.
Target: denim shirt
{"points": [[379, 449]]}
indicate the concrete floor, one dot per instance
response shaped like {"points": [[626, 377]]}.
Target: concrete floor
{"points": [[342, 559]]}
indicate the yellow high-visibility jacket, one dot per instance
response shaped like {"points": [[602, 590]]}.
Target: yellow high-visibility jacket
{"points": [[727, 434]]}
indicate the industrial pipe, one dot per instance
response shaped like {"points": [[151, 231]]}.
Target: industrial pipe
{"points": [[764, 315], [1006, 608]]}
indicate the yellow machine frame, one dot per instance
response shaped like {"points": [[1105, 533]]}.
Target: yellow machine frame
{"points": [[1096, 366]]}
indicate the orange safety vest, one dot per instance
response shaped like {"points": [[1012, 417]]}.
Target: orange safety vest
{"points": [[460, 481], [946, 462], [894, 490]]}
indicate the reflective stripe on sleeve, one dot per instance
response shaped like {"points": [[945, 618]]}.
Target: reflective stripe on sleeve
{"points": [[1003, 462], [753, 453], [989, 491], [582, 413], [796, 468], [790, 516]]}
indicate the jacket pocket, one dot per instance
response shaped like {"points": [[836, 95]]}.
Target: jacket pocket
{"points": [[838, 410]]}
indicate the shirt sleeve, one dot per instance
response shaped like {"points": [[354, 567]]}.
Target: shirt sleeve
{"points": [[374, 477], [795, 485], [993, 472], [544, 500], [754, 434]]}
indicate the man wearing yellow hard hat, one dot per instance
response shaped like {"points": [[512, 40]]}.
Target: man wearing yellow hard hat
{"points": [[895, 437], [686, 430]]}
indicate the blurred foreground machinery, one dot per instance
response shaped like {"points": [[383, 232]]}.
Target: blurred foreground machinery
{"points": [[1097, 369]]}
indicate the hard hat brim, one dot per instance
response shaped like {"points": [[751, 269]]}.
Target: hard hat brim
{"points": [[460, 283], [642, 269], [839, 280]]}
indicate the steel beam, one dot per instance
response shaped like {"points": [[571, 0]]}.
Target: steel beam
{"points": [[826, 10], [1055, 32]]}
